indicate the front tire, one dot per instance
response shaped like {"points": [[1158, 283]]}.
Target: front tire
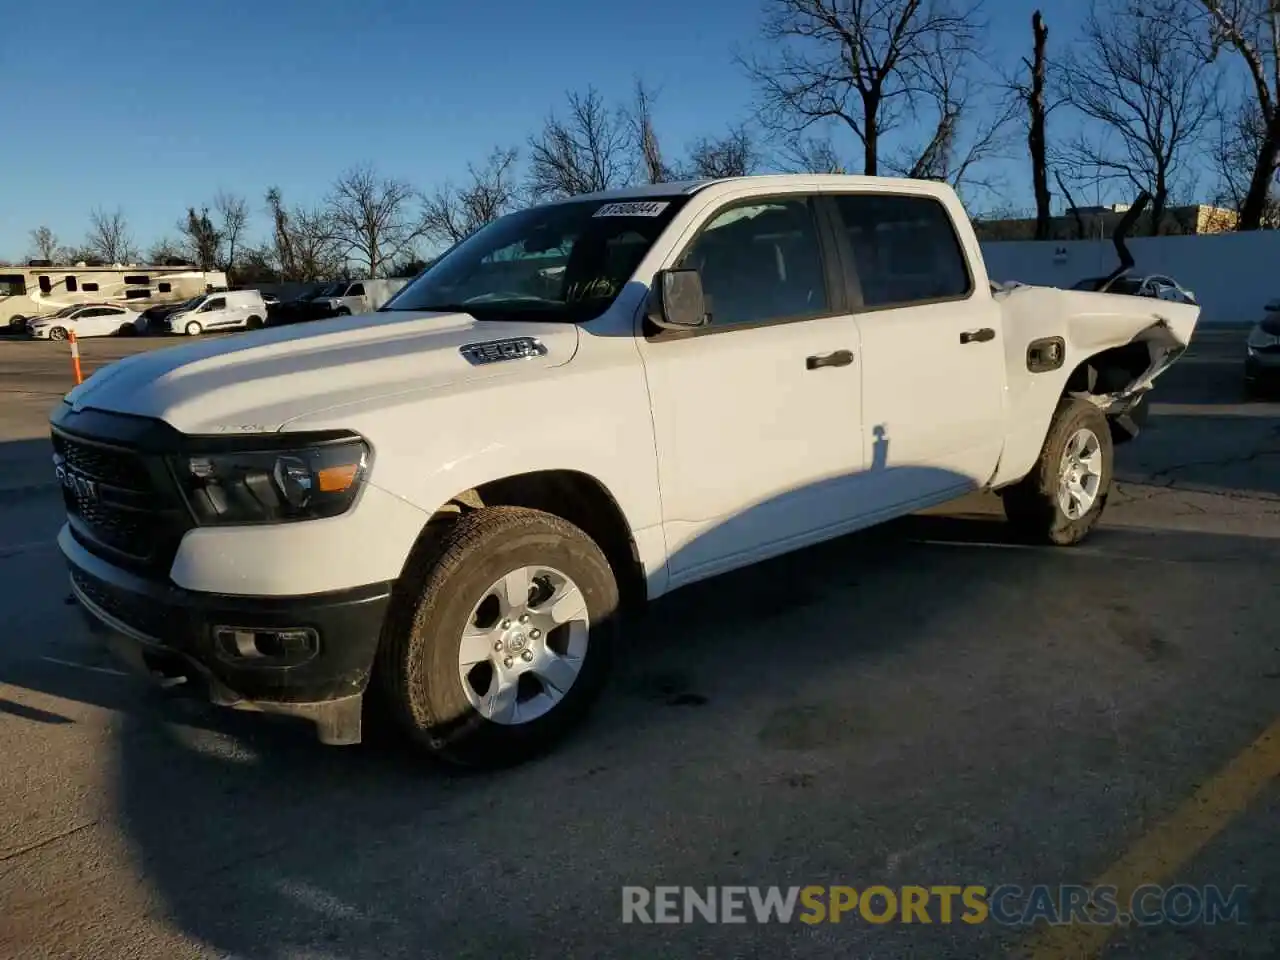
{"points": [[1063, 496], [57, 333], [505, 640], [193, 329]]}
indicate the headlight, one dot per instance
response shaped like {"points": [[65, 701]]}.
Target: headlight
{"points": [[276, 486]]}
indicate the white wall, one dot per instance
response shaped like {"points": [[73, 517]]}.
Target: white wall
{"points": [[1232, 274]]}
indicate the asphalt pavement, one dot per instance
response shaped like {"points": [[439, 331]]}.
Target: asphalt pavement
{"points": [[925, 704]]}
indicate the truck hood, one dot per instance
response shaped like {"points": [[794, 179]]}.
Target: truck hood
{"points": [[260, 380]]}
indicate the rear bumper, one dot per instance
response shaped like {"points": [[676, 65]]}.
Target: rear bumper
{"points": [[320, 673]]}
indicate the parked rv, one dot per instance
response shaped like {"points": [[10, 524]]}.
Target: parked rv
{"points": [[31, 292]]}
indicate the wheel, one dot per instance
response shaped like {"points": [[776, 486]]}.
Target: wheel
{"points": [[502, 640], [18, 322], [127, 330], [1063, 496], [57, 333], [193, 329], [342, 312], [254, 323]]}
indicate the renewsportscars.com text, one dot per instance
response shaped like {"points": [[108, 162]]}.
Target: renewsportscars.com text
{"points": [[1007, 905]]}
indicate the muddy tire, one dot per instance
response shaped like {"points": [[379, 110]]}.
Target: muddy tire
{"points": [[1063, 496], [501, 638]]}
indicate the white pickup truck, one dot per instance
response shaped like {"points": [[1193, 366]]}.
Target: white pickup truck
{"points": [[448, 503]]}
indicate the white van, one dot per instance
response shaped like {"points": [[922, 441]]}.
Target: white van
{"points": [[225, 310]]}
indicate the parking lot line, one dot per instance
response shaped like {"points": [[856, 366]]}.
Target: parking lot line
{"points": [[1159, 853]]}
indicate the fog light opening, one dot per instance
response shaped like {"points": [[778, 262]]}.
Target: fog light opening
{"points": [[267, 645]]}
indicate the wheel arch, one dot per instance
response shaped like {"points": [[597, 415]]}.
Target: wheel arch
{"points": [[572, 495], [1103, 376]]}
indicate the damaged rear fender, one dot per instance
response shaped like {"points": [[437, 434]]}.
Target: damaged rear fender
{"points": [[1114, 348]]}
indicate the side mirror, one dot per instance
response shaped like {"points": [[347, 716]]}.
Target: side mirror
{"points": [[676, 301]]}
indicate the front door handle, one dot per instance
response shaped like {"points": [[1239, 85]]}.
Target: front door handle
{"points": [[840, 358], [978, 336]]}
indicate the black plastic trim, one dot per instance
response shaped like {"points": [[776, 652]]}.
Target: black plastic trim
{"points": [[146, 435], [181, 622]]}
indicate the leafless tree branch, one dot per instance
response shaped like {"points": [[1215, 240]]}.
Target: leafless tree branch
{"points": [[370, 219], [861, 65], [584, 152], [1135, 77], [109, 237], [453, 213]]}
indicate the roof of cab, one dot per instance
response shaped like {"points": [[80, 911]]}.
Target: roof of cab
{"points": [[765, 181]]}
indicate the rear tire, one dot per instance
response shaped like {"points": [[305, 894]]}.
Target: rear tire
{"points": [[1063, 496], [254, 323], [446, 693], [193, 329]]}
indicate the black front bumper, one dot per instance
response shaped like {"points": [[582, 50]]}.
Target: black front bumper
{"points": [[171, 631], [1262, 369]]}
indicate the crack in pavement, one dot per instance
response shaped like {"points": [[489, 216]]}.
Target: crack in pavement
{"points": [[61, 835]]}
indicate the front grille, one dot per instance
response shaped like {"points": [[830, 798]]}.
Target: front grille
{"points": [[120, 468], [121, 504]]}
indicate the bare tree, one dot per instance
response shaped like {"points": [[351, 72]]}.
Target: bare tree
{"points": [[1135, 75], [733, 155], [1251, 28], [1240, 135], [1037, 123], [233, 216], [859, 65], [453, 213], [807, 154], [200, 238], [165, 249], [302, 244], [282, 235], [370, 218], [109, 238], [44, 244], [970, 119], [646, 136], [586, 151]]}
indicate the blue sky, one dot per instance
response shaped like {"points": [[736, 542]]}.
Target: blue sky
{"points": [[152, 106]]}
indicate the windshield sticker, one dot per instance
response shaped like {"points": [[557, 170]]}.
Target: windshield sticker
{"points": [[651, 208]]}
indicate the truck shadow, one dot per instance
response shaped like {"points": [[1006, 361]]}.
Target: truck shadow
{"points": [[261, 843]]}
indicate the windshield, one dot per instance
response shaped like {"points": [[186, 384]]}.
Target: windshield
{"points": [[564, 262]]}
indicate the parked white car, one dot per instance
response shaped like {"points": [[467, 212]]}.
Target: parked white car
{"points": [[222, 310], [91, 320], [447, 503]]}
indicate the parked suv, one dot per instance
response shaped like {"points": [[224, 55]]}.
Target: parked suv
{"points": [[225, 310]]}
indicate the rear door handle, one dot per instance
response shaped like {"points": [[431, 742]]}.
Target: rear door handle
{"points": [[840, 358], [978, 336]]}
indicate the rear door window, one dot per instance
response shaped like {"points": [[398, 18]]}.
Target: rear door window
{"points": [[905, 249]]}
